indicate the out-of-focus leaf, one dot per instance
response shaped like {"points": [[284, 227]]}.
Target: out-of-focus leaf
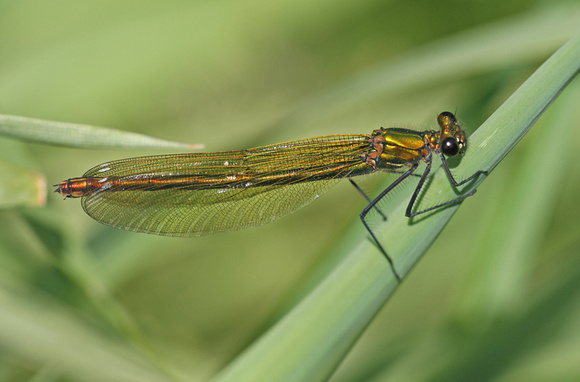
{"points": [[80, 136], [21, 187]]}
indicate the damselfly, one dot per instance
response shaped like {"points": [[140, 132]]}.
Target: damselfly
{"points": [[199, 194]]}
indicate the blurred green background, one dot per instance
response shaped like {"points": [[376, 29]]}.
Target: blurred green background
{"points": [[497, 297]]}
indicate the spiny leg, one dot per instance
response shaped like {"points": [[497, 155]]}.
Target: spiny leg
{"points": [[409, 212], [452, 179], [367, 198], [372, 205]]}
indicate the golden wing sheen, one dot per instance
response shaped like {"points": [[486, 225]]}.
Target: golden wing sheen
{"points": [[204, 193]]}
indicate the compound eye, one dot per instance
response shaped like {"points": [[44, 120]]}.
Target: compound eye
{"points": [[446, 119], [449, 146]]}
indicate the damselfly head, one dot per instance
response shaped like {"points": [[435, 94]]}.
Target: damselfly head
{"points": [[452, 140]]}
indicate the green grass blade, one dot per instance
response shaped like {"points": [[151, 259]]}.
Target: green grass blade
{"points": [[482, 49], [23, 317], [525, 211], [311, 341], [80, 136], [497, 136]]}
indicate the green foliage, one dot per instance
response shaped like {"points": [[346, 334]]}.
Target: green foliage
{"points": [[78, 136], [497, 295]]}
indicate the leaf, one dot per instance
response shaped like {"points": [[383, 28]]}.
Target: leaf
{"points": [[60, 339], [313, 338], [80, 136], [21, 187]]}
